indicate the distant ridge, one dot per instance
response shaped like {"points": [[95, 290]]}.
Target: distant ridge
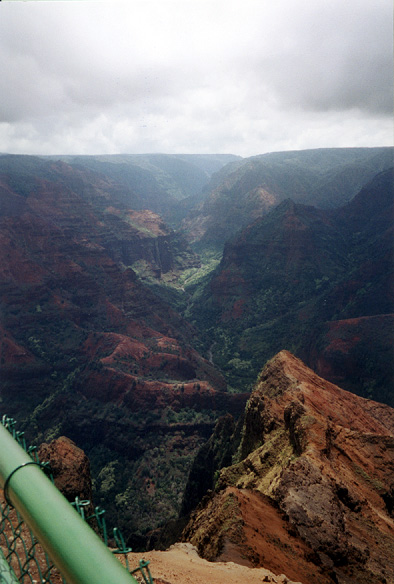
{"points": [[245, 190]]}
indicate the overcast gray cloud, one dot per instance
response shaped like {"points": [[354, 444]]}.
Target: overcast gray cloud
{"points": [[241, 76]]}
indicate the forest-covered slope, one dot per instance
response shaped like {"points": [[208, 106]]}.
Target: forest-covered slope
{"points": [[317, 282]]}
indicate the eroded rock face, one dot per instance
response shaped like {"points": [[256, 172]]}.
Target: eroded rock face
{"points": [[70, 468], [324, 460], [245, 527]]}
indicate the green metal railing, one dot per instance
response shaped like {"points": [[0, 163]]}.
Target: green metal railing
{"points": [[36, 514]]}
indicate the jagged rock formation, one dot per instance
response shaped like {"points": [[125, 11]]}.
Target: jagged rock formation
{"points": [[313, 487]]}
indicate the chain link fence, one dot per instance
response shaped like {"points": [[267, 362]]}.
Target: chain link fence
{"points": [[22, 558]]}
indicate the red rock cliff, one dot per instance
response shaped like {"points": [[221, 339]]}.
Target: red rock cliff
{"points": [[314, 485]]}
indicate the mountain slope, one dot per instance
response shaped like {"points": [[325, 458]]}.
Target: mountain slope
{"points": [[312, 488], [129, 236], [166, 184], [288, 277], [248, 189], [88, 351]]}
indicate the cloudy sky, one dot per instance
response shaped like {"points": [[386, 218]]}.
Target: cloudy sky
{"points": [[239, 76]]}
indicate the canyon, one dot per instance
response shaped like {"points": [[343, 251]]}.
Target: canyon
{"points": [[317, 282], [302, 488], [129, 329]]}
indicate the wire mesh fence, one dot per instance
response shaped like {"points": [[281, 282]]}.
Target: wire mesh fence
{"points": [[22, 558], [23, 553]]}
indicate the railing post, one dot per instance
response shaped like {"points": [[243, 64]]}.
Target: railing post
{"points": [[75, 549]]}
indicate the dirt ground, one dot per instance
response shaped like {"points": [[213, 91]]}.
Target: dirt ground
{"points": [[182, 565]]}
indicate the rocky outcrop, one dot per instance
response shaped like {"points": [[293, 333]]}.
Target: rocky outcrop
{"points": [[70, 468], [316, 461], [244, 527]]}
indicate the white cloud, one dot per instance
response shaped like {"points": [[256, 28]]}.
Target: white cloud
{"points": [[242, 76]]}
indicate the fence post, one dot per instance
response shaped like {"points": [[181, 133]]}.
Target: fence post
{"points": [[74, 548]]}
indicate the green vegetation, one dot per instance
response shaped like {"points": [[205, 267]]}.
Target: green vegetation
{"points": [[192, 278], [282, 283]]}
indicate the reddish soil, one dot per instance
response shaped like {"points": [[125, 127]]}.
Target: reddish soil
{"points": [[182, 565], [245, 527], [12, 353]]}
